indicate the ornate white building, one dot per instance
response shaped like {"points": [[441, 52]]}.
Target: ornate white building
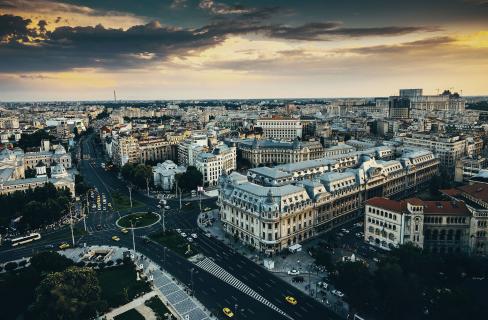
{"points": [[272, 209]]}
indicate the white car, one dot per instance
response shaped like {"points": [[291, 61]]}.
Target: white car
{"points": [[293, 272], [190, 239], [338, 293], [183, 234], [208, 235], [194, 235], [178, 230]]}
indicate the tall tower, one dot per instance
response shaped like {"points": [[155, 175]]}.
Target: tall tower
{"points": [[115, 96]]}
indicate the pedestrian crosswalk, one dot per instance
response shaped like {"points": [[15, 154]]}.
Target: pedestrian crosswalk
{"points": [[219, 272]]}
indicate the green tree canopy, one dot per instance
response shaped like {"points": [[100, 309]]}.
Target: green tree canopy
{"points": [[50, 261], [190, 179], [29, 141], [138, 174], [71, 294]]}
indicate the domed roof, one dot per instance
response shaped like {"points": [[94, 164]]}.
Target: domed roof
{"points": [[40, 164], [59, 149]]}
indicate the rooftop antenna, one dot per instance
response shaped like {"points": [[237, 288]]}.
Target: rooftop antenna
{"points": [[115, 97]]}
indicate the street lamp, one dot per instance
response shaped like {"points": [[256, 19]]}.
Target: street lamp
{"points": [[192, 270], [133, 237], [161, 208], [71, 224]]}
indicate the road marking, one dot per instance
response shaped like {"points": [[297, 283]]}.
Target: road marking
{"points": [[219, 272]]}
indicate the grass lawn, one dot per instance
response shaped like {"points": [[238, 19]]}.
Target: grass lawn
{"points": [[122, 202], [140, 219], [172, 240], [157, 306], [132, 314], [119, 285]]}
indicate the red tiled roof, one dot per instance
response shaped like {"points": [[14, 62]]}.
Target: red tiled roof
{"points": [[476, 190], [451, 192], [387, 204], [446, 207], [430, 207]]}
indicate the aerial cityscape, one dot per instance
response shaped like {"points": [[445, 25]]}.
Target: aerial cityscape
{"points": [[202, 160]]}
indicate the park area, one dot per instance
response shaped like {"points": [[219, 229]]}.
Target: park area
{"points": [[138, 220], [122, 202], [109, 287], [175, 242]]}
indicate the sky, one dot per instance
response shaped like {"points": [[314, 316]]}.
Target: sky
{"points": [[205, 49]]}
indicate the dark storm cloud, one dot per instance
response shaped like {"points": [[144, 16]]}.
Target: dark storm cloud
{"points": [[222, 8], [25, 49], [14, 28], [328, 30], [85, 47]]}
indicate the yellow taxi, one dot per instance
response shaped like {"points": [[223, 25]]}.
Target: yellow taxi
{"points": [[124, 230], [291, 300], [115, 238], [63, 246], [228, 312]]}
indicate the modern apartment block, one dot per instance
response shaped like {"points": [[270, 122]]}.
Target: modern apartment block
{"points": [[280, 128], [125, 149], [274, 208], [222, 160], [449, 149]]}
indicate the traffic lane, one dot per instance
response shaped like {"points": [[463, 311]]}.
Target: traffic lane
{"points": [[211, 291], [261, 280]]}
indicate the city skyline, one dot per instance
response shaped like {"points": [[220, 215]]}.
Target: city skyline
{"points": [[182, 49]]}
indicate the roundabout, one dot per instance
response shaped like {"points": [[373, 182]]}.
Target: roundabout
{"points": [[138, 220]]}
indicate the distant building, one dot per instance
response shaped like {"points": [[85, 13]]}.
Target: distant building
{"points": [[280, 128], [399, 108], [9, 123], [125, 149], [272, 152], [411, 93], [449, 149]]}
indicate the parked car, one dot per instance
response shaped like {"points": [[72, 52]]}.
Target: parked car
{"points": [[338, 293], [293, 272]]}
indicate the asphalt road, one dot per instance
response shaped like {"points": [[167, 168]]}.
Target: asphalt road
{"points": [[214, 293]]}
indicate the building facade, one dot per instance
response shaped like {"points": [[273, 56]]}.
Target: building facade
{"points": [[435, 226], [272, 152], [280, 128], [274, 208], [222, 160]]}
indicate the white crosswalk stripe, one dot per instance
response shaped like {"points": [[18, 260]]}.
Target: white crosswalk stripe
{"points": [[213, 268]]}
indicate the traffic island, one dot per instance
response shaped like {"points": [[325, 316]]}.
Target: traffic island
{"points": [[138, 220]]}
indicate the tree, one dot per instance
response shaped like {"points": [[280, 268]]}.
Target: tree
{"points": [[355, 279], [139, 174], [29, 141], [50, 261], [30, 173], [80, 185], [70, 294], [190, 179]]}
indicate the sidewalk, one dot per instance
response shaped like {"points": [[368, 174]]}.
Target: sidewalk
{"points": [[173, 294], [131, 305]]}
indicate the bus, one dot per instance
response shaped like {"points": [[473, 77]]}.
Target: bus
{"points": [[23, 240]]}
